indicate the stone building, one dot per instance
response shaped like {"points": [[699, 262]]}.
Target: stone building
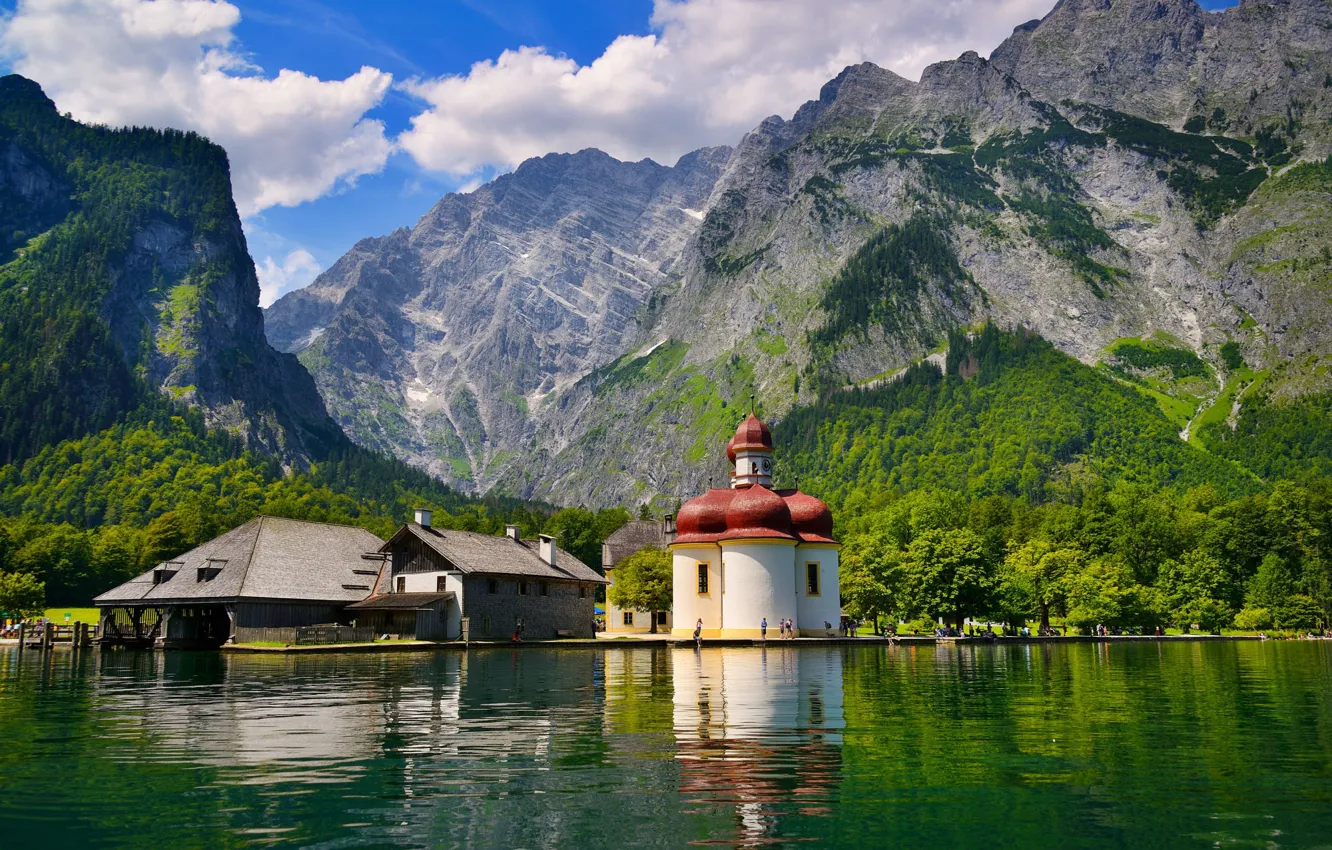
{"points": [[500, 584], [632, 537], [748, 553]]}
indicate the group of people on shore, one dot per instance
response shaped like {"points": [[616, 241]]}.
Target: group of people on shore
{"points": [[786, 624]]}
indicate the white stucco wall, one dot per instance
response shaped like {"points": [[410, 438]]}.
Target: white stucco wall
{"points": [[758, 582], [814, 611], [689, 605], [428, 583]]}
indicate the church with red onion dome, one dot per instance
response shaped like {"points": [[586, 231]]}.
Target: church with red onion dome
{"points": [[747, 553]]}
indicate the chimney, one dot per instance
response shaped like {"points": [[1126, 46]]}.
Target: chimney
{"points": [[423, 517], [548, 549], [511, 532], [668, 524]]}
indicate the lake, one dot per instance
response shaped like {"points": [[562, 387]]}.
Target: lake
{"points": [[1132, 745]]}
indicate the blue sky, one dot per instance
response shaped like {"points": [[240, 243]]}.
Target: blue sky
{"points": [[315, 100], [409, 38]]}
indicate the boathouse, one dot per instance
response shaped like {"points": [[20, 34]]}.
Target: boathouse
{"points": [[501, 585], [257, 582]]}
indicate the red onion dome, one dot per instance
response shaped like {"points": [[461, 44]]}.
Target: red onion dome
{"points": [[752, 435], [703, 519], [730, 450], [758, 512], [810, 517]]}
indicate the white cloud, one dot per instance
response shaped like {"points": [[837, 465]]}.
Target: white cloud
{"points": [[711, 71], [173, 63], [297, 271]]}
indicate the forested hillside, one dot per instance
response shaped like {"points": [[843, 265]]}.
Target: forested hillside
{"points": [[143, 410], [1018, 483]]}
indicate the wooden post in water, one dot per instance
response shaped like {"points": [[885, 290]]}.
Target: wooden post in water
{"points": [[23, 635], [48, 635]]}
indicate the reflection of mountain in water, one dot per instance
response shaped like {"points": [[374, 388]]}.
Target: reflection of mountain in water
{"points": [[760, 731]]}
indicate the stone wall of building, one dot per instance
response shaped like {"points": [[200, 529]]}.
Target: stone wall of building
{"points": [[493, 615]]}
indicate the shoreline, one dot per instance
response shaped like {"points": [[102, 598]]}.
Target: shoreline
{"points": [[676, 643]]}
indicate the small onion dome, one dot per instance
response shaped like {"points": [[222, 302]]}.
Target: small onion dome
{"points": [[758, 512], [703, 519], [752, 435], [730, 451], [810, 517]]}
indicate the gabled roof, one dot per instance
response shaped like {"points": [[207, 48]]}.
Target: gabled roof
{"points": [[631, 537], [486, 554], [266, 558]]}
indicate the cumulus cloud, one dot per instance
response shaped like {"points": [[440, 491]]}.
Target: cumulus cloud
{"points": [[173, 63], [710, 71], [296, 271]]}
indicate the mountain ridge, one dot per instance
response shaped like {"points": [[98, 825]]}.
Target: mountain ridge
{"points": [[841, 245]]}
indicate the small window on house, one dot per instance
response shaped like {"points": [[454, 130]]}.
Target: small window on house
{"points": [[582, 591], [661, 618], [522, 588], [441, 584], [492, 587], [402, 584], [628, 618], [702, 579], [485, 626], [811, 579], [545, 589]]}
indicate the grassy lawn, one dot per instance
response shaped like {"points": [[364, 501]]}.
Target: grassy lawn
{"points": [[76, 615]]}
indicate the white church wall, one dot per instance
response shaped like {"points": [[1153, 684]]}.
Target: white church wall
{"points": [[758, 582], [814, 611], [690, 605]]}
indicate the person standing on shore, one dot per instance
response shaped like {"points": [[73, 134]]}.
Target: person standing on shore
{"points": [[698, 633], [763, 630]]}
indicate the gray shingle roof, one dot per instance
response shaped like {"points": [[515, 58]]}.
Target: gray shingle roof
{"points": [[266, 558], [483, 553], [631, 537], [392, 601]]}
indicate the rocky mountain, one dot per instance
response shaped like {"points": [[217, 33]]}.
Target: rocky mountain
{"points": [[437, 343], [1143, 183], [126, 281]]}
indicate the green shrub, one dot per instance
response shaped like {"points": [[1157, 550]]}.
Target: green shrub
{"points": [[1253, 619], [1232, 356]]}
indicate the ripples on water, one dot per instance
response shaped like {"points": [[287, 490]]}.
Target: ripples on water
{"points": [[1133, 745]]}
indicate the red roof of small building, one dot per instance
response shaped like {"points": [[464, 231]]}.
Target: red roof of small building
{"points": [[810, 517], [754, 513], [703, 519], [752, 435], [757, 512]]}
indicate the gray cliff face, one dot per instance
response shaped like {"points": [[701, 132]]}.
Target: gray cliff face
{"points": [[593, 339], [1259, 63], [181, 307], [186, 312], [436, 343]]}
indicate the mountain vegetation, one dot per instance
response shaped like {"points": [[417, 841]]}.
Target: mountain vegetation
{"points": [[1017, 483], [144, 412]]}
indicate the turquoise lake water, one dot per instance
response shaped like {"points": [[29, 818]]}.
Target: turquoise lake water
{"points": [[1135, 745]]}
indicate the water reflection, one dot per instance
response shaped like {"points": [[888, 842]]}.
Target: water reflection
{"points": [[1071, 746], [759, 730]]}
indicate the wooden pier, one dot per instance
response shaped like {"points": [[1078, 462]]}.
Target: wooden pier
{"points": [[48, 635]]}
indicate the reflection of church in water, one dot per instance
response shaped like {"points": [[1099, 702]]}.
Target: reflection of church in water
{"points": [[759, 730]]}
